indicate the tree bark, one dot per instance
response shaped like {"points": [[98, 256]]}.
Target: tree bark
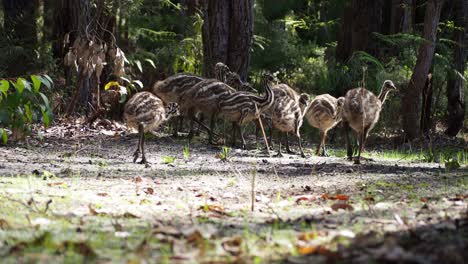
{"points": [[411, 101], [427, 100], [455, 84], [227, 35], [21, 29], [401, 16], [360, 20]]}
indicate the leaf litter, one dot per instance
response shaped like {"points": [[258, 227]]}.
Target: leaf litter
{"points": [[198, 210]]}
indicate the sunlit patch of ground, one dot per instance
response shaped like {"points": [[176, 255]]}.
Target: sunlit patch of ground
{"points": [[83, 199]]}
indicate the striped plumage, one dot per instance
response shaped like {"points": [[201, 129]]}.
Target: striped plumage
{"points": [[242, 107], [233, 79], [286, 113], [361, 112], [145, 112], [221, 71], [170, 89], [324, 113]]}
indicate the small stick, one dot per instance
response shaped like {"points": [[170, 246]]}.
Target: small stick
{"points": [[263, 132], [269, 155], [253, 190]]}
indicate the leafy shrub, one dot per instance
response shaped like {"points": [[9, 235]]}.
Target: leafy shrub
{"points": [[22, 104]]}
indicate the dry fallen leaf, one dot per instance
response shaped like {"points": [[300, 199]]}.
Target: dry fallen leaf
{"points": [[307, 236], [315, 249], [129, 215], [213, 208], [50, 184], [344, 206], [342, 197], [233, 245], [138, 179], [149, 190], [304, 198], [4, 224]]}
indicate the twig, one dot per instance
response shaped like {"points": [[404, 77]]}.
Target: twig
{"points": [[254, 174]]}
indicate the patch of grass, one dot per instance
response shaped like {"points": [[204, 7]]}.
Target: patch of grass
{"points": [[167, 159]]}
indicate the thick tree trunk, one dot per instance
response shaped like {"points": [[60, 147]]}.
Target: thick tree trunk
{"points": [[455, 85], [240, 40], [411, 101], [21, 29], [427, 100], [359, 22], [215, 34], [73, 17], [227, 35], [401, 16]]}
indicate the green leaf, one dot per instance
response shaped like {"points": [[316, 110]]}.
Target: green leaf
{"points": [[4, 135], [125, 79], [36, 82], [28, 112], [46, 82], [4, 86], [151, 62], [139, 83], [46, 118], [48, 78], [19, 85], [45, 99], [138, 64], [168, 159]]}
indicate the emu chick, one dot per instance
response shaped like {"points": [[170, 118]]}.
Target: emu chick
{"points": [[146, 112], [324, 113]]}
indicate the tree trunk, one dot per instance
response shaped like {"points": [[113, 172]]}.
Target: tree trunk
{"points": [[73, 17], [401, 16], [20, 28], [455, 84], [360, 20], [227, 35], [240, 40], [427, 99], [411, 101]]}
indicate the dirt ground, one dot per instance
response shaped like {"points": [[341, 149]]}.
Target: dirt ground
{"points": [[77, 196]]}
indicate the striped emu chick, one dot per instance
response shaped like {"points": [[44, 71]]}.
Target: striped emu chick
{"points": [[146, 112], [287, 114], [233, 79], [324, 113], [361, 112], [170, 89], [243, 107], [204, 98]]}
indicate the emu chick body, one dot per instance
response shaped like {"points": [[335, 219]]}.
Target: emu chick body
{"points": [[144, 112], [361, 111], [286, 113], [324, 113]]}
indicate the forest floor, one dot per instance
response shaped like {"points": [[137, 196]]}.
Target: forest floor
{"points": [[76, 196]]}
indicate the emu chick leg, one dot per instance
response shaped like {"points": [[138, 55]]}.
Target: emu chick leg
{"points": [[288, 150], [300, 144], [279, 154], [141, 132], [212, 126], [349, 150], [142, 147]]}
